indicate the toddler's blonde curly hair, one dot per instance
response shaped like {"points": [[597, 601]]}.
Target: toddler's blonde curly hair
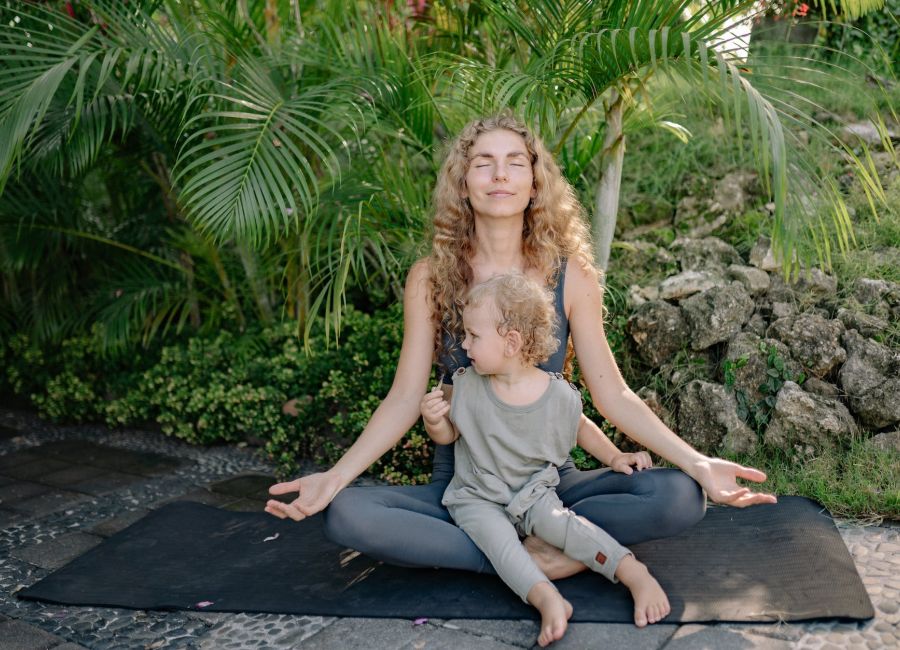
{"points": [[524, 306]]}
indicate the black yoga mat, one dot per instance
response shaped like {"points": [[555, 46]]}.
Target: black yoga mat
{"points": [[766, 563]]}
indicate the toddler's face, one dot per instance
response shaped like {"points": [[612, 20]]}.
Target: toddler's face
{"points": [[482, 342]]}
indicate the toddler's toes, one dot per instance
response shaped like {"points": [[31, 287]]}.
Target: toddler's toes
{"points": [[640, 617]]}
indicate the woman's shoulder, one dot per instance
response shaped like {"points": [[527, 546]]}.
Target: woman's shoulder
{"points": [[420, 270], [418, 280], [579, 270], [582, 282]]}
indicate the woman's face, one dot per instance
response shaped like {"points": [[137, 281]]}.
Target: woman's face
{"points": [[500, 181]]}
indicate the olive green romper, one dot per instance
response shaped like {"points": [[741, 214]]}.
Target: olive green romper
{"points": [[505, 476]]}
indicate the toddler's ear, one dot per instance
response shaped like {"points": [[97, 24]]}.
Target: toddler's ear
{"points": [[513, 343]]}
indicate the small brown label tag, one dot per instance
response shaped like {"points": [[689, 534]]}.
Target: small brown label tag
{"points": [[601, 559]]}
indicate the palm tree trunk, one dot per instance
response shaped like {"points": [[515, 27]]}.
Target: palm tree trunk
{"points": [[8, 279], [161, 174], [607, 200], [230, 293], [187, 263], [256, 284]]}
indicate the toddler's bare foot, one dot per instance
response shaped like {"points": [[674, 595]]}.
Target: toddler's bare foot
{"points": [[650, 602], [555, 612], [554, 564]]}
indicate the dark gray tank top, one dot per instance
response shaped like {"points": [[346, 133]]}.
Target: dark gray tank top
{"points": [[455, 357]]}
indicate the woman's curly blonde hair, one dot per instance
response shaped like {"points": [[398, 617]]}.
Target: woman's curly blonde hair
{"points": [[554, 228], [524, 306]]}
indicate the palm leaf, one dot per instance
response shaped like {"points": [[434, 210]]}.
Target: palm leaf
{"points": [[250, 167]]}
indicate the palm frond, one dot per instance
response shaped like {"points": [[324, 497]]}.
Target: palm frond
{"points": [[250, 167], [59, 73], [139, 301]]}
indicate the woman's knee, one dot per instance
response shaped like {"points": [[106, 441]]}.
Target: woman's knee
{"points": [[681, 500], [344, 520]]}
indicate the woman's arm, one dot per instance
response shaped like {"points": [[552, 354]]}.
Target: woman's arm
{"points": [[627, 412], [391, 420]]}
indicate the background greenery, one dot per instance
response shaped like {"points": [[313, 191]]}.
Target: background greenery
{"points": [[201, 199]]}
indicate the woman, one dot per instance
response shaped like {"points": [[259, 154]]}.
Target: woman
{"points": [[501, 205]]}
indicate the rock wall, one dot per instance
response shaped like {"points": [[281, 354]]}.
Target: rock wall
{"points": [[786, 363]]}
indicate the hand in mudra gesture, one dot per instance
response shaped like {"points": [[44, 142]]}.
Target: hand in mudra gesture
{"points": [[315, 492], [719, 478]]}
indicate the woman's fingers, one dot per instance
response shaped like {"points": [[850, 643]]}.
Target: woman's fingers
{"points": [[735, 495], [755, 498], [744, 497], [750, 474], [285, 488], [283, 510]]}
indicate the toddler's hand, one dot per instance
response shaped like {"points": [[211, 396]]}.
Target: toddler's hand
{"points": [[434, 407], [623, 462]]}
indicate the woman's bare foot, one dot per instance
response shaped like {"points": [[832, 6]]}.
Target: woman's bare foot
{"points": [[554, 564], [555, 612], [650, 602]]}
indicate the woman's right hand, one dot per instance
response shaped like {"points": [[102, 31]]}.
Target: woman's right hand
{"points": [[315, 492]]}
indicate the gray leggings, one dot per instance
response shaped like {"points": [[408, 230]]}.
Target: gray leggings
{"points": [[408, 526]]}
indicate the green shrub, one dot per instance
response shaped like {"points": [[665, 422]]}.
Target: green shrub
{"points": [[72, 382], [210, 390], [350, 383], [230, 387]]}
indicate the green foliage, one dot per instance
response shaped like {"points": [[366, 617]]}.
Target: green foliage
{"points": [[202, 164], [210, 390], [72, 382], [583, 460], [874, 37], [757, 414], [334, 409], [230, 387], [861, 482]]}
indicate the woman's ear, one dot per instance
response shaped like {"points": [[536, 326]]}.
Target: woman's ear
{"points": [[513, 343]]}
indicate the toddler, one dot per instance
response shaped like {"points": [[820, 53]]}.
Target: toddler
{"points": [[513, 425]]}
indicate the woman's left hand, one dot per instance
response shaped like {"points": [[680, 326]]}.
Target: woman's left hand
{"points": [[719, 478]]}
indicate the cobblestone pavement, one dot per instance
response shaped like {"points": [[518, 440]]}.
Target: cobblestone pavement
{"points": [[70, 487]]}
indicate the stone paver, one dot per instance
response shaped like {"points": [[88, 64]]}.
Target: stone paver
{"points": [[63, 489], [618, 635], [368, 633], [517, 633], [704, 637], [109, 527], [57, 552], [17, 635], [238, 631]]}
